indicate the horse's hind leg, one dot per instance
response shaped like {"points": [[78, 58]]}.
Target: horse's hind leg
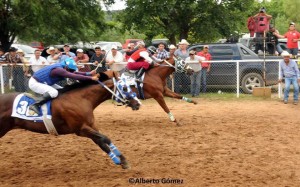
{"points": [[5, 126], [170, 93], [106, 145]]}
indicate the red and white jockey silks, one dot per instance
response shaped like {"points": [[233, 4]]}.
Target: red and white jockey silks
{"points": [[139, 59]]}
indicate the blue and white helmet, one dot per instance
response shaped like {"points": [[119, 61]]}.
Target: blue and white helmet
{"points": [[70, 64]]}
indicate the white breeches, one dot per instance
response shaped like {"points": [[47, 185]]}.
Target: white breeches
{"points": [[42, 88]]}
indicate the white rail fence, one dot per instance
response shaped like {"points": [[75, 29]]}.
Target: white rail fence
{"points": [[230, 76]]}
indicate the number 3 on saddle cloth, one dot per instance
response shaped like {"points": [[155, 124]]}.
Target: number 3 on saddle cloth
{"points": [[129, 78], [21, 110]]}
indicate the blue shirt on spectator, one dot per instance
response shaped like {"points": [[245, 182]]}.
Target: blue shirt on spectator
{"points": [[289, 70]]}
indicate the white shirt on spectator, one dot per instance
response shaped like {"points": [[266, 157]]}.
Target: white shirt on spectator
{"points": [[117, 58], [196, 67], [37, 64], [50, 59]]}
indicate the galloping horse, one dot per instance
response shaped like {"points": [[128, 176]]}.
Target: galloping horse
{"points": [[72, 112], [154, 84]]}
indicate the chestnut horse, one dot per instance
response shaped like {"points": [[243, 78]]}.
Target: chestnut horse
{"points": [[72, 112], [155, 83]]}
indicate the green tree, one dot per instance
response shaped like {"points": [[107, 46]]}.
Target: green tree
{"points": [[50, 21], [178, 19]]}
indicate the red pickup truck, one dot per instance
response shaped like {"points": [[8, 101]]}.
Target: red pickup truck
{"points": [[38, 45]]}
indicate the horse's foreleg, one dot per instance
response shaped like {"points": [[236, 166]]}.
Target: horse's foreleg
{"points": [[106, 145], [170, 93]]}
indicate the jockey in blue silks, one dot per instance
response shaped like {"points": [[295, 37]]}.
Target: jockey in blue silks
{"points": [[44, 80]]}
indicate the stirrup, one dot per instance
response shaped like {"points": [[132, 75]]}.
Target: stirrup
{"points": [[34, 108]]}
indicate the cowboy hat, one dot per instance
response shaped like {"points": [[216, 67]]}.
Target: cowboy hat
{"points": [[172, 46], [183, 42], [285, 53], [50, 49], [20, 51]]}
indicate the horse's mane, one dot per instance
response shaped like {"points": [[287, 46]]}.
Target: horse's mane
{"points": [[82, 84]]}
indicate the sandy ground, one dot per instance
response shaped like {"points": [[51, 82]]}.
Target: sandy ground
{"points": [[222, 143]]}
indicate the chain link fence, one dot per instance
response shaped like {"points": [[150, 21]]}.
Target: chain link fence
{"points": [[230, 76]]}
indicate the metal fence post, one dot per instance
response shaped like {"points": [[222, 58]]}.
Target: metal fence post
{"points": [[237, 79], [1, 79], [279, 84]]}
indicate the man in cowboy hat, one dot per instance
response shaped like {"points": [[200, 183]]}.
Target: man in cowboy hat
{"points": [[53, 57], [289, 69]]}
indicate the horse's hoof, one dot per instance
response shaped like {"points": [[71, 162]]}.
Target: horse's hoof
{"points": [[125, 165], [178, 123], [195, 102]]}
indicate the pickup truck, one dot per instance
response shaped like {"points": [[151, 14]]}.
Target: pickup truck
{"points": [[223, 75]]}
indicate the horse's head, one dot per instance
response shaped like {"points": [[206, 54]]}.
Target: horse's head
{"points": [[179, 64], [130, 98]]}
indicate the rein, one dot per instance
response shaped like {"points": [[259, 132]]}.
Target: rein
{"points": [[113, 93], [100, 63]]}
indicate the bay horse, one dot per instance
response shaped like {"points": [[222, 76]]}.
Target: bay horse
{"points": [[155, 83], [72, 112]]}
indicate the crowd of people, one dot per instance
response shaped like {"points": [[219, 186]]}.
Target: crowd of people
{"points": [[138, 57], [266, 35]]}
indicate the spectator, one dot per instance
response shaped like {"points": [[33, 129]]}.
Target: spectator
{"points": [[128, 50], [17, 71], [172, 49], [37, 62], [82, 58], [272, 40], [205, 66], [66, 54], [53, 57], [97, 58], [289, 69], [2, 55], [5, 68], [196, 76], [161, 52], [293, 37], [25, 68], [114, 56], [182, 50], [262, 23], [181, 79]]}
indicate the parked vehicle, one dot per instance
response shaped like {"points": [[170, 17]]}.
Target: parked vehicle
{"points": [[127, 41], [38, 45], [251, 73], [108, 45], [155, 42], [28, 50]]}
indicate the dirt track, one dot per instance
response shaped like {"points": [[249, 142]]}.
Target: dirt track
{"points": [[222, 143]]}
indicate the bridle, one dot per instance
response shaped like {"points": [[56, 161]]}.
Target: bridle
{"points": [[180, 65]]}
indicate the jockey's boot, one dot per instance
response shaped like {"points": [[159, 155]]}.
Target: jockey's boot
{"points": [[39, 102], [140, 73]]}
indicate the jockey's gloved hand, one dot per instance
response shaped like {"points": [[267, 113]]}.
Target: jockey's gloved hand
{"points": [[95, 78]]}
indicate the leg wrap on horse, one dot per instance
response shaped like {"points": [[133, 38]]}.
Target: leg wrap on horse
{"points": [[114, 158], [187, 99], [114, 149], [172, 118]]}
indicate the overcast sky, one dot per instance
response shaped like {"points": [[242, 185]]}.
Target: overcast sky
{"points": [[119, 5]]}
